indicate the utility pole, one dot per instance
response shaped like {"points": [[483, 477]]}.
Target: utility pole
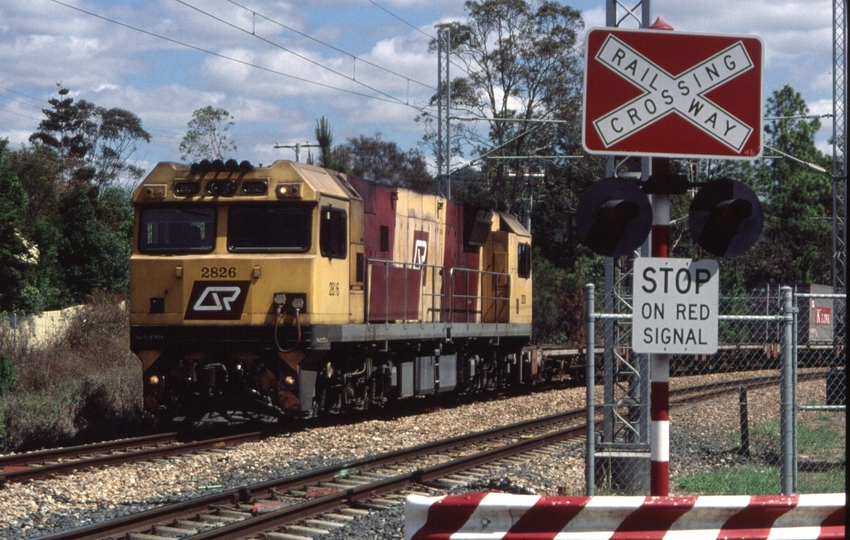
{"points": [[297, 146], [444, 98]]}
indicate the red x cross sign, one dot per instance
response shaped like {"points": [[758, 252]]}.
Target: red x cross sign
{"points": [[672, 94]]}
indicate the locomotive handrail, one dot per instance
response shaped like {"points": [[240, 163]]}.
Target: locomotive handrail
{"points": [[436, 308], [496, 299]]}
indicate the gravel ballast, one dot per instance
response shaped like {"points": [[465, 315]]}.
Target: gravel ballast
{"points": [[700, 440]]}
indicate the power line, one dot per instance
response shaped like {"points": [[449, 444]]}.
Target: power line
{"points": [[24, 95], [230, 58], [337, 49], [281, 47], [19, 114], [399, 18]]}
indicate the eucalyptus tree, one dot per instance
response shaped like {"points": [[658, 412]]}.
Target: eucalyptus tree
{"points": [[207, 136], [520, 61], [94, 145]]}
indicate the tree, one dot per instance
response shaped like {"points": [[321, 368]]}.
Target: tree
{"points": [[384, 162], [92, 252], [68, 130], [521, 62], [797, 198], [94, 144], [328, 157], [18, 256], [118, 137], [207, 136]]}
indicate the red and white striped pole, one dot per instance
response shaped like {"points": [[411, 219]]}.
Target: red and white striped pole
{"points": [[659, 364]]}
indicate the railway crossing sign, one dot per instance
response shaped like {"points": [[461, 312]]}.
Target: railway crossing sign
{"points": [[649, 92], [675, 306]]}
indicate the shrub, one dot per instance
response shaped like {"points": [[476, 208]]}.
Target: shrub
{"points": [[8, 373], [85, 388]]}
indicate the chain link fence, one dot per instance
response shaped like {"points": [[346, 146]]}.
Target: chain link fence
{"points": [[728, 434]]}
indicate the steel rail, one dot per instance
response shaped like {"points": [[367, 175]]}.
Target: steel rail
{"points": [[22, 467]]}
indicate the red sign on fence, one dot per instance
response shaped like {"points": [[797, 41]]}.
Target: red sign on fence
{"points": [[823, 316], [665, 93]]}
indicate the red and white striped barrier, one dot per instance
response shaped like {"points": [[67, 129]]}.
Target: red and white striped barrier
{"points": [[493, 515]]}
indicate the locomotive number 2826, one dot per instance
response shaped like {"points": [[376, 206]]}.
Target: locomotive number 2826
{"points": [[218, 272]]}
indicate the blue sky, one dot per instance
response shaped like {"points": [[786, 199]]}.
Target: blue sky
{"points": [[43, 42]]}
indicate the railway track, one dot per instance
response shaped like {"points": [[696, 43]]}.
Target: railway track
{"points": [[58, 461], [312, 503]]}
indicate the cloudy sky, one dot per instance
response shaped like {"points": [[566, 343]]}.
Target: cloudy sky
{"points": [[278, 66]]}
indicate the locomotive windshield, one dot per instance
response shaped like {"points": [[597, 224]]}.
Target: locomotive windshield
{"points": [[177, 230], [269, 228]]}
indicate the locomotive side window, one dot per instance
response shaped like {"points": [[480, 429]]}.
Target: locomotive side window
{"points": [[524, 262], [177, 230], [261, 228], [332, 232]]}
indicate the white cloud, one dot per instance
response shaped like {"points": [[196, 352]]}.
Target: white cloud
{"points": [[163, 82]]}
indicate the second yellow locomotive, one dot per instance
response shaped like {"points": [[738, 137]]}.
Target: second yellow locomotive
{"points": [[291, 290]]}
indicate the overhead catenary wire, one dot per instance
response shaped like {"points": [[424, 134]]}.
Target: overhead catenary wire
{"points": [[379, 6], [330, 46], [230, 58], [281, 47]]}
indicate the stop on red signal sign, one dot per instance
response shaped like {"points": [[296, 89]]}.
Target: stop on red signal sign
{"points": [[668, 93]]}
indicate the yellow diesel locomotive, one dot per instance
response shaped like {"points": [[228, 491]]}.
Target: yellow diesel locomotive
{"points": [[293, 291]]}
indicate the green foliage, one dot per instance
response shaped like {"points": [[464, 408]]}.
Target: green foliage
{"points": [[796, 244], [18, 256], [93, 144], [8, 373], [384, 162], [559, 304], [329, 158], [207, 135], [93, 254], [66, 215], [520, 61]]}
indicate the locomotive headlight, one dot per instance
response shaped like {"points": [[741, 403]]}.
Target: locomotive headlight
{"points": [[289, 380], [154, 380], [226, 188], [289, 191], [154, 191]]}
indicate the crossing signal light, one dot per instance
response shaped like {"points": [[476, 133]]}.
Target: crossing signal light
{"points": [[613, 217], [726, 217]]}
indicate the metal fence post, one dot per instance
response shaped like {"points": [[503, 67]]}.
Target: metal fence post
{"points": [[590, 370], [788, 414], [745, 421]]}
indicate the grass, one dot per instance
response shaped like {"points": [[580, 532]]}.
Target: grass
{"points": [[821, 444], [85, 388], [750, 480]]}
